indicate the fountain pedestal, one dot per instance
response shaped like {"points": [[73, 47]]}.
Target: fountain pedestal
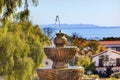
{"points": [[60, 55], [57, 65]]}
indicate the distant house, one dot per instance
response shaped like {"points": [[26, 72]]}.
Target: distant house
{"points": [[109, 58], [111, 44]]}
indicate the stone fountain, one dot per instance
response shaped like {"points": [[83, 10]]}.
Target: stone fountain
{"points": [[60, 55]]}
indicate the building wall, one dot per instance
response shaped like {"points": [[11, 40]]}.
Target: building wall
{"points": [[114, 47], [112, 57]]}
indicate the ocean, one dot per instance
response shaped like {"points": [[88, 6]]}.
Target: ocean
{"points": [[91, 32]]}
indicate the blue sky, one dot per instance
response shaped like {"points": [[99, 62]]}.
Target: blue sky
{"points": [[98, 12]]}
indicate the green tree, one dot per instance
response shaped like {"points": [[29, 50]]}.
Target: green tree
{"points": [[95, 47], [88, 47], [111, 39], [21, 50], [80, 43], [21, 42], [9, 7]]}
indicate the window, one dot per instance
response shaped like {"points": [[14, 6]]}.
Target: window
{"points": [[118, 61], [117, 49], [100, 62]]}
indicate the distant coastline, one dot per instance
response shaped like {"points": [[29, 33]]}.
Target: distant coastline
{"points": [[86, 31], [75, 26]]}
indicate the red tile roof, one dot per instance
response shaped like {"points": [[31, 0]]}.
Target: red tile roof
{"points": [[109, 42]]}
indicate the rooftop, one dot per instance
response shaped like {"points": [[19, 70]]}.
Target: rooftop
{"points": [[109, 42], [113, 51]]}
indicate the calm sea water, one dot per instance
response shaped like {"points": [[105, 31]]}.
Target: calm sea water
{"points": [[91, 33]]}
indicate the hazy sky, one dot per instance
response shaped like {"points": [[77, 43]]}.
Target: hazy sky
{"points": [[98, 12]]}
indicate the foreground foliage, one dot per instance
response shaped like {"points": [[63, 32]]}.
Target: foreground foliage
{"points": [[86, 62], [21, 50], [9, 7], [116, 75]]}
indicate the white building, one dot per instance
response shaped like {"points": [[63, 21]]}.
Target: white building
{"points": [[109, 58]]}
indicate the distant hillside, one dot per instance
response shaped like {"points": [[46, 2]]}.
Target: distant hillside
{"points": [[66, 26], [74, 26]]}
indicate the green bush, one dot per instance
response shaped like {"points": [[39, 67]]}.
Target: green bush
{"points": [[93, 76], [116, 75], [87, 64]]}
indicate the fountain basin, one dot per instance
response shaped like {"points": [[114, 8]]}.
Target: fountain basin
{"points": [[60, 74], [60, 55]]}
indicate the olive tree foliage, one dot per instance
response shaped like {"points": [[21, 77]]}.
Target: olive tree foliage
{"points": [[9, 7], [21, 42], [21, 50]]}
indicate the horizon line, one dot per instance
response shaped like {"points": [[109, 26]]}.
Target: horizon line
{"points": [[84, 24]]}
